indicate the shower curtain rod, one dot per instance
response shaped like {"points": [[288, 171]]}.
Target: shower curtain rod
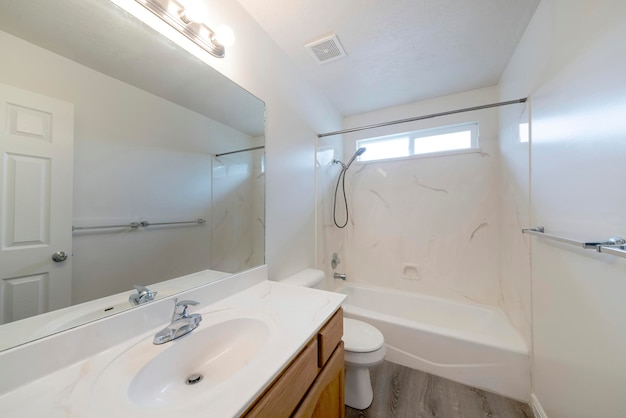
{"points": [[433, 115], [241, 150]]}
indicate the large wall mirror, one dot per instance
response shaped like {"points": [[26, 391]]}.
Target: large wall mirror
{"points": [[134, 158]]}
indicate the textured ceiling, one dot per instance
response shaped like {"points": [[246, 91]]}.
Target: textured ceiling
{"points": [[398, 51]]}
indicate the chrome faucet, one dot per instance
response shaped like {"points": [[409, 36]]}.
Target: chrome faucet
{"points": [[340, 276], [182, 323], [143, 295]]}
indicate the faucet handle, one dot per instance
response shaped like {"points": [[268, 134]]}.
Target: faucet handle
{"points": [[180, 308], [143, 295], [143, 291]]}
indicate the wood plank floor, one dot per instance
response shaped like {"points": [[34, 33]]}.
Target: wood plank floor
{"points": [[400, 392]]}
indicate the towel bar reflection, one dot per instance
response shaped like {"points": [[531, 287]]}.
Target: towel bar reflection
{"points": [[135, 225], [614, 245]]}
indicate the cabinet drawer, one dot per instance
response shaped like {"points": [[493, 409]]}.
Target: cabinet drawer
{"points": [[282, 398], [329, 337], [326, 397]]}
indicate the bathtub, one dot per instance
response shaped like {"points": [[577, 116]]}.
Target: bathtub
{"points": [[465, 342]]}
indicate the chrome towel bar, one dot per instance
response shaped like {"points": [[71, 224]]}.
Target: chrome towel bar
{"points": [[618, 251], [615, 245], [135, 225]]}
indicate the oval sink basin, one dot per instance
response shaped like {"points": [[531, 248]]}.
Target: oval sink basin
{"points": [[183, 370], [211, 355]]}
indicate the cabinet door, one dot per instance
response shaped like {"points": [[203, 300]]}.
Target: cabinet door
{"points": [[282, 398], [325, 399]]}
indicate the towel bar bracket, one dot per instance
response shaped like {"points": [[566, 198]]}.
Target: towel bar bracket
{"points": [[614, 245]]}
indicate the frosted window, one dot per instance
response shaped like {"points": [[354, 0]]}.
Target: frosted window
{"points": [[435, 141], [387, 148], [445, 142]]}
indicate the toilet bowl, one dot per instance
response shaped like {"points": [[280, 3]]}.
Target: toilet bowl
{"points": [[364, 347]]}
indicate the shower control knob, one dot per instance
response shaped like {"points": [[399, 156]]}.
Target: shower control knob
{"points": [[59, 256], [334, 261]]}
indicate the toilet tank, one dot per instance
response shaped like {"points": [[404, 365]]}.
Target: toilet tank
{"points": [[306, 278]]}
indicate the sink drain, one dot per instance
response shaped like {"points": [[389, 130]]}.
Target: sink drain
{"points": [[193, 379]]}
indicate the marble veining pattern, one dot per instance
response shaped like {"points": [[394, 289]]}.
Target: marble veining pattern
{"points": [[434, 189], [238, 205], [436, 216], [440, 215], [454, 220]]}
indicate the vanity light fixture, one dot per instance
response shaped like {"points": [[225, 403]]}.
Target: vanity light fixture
{"points": [[187, 17]]}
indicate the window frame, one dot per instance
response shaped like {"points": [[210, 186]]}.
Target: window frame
{"points": [[473, 127]]}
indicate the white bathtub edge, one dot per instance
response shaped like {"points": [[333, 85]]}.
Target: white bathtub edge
{"points": [[493, 359], [537, 408], [513, 344], [402, 292], [489, 378]]}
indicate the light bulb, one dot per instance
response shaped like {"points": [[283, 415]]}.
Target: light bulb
{"points": [[193, 11], [224, 35]]}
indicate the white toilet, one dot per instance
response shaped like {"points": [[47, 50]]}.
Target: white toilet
{"points": [[364, 347]]}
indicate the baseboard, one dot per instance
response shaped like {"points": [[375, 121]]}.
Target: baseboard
{"points": [[537, 409]]}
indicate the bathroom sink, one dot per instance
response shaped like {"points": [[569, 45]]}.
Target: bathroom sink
{"points": [[187, 369]]}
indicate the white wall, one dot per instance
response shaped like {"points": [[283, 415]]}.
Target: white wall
{"points": [[571, 63], [137, 157], [439, 214]]}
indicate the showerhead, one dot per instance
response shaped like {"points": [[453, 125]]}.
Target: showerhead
{"points": [[356, 154]]}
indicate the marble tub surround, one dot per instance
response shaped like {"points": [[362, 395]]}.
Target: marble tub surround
{"points": [[428, 224], [237, 217], [421, 227], [70, 386], [515, 281], [330, 239]]}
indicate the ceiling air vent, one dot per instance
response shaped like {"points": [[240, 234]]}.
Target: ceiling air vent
{"points": [[326, 49]]}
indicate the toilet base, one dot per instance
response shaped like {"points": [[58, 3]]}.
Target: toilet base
{"points": [[358, 388]]}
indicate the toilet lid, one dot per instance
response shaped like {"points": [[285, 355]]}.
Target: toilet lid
{"points": [[360, 337]]}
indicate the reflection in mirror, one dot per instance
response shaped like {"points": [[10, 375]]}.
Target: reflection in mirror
{"points": [[107, 123]]}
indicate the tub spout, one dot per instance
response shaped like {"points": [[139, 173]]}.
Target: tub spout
{"points": [[339, 276]]}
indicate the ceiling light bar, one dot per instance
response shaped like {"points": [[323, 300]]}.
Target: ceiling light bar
{"points": [[174, 14]]}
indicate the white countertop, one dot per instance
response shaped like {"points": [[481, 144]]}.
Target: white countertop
{"points": [[294, 315]]}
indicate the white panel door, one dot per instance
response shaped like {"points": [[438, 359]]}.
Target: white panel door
{"points": [[36, 168]]}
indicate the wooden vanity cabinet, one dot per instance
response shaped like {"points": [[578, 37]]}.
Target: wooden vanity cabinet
{"points": [[312, 385], [325, 398]]}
